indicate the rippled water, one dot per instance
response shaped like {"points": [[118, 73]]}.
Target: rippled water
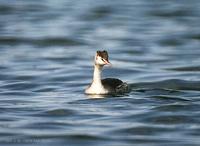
{"points": [[46, 54]]}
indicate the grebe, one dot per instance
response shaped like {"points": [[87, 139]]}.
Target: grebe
{"points": [[108, 85]]}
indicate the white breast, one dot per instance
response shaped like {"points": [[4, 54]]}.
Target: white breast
{"points": [[96, 89]]}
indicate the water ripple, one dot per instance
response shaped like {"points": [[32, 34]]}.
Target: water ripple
{"points": [[46, 61]]}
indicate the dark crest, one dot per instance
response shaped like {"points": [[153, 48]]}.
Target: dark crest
{"points": [[103, 54]]}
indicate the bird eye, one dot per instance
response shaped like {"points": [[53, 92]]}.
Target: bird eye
{"points": [[102, 59]]}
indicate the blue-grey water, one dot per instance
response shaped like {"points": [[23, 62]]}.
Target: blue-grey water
{"points": [[46, 62]]}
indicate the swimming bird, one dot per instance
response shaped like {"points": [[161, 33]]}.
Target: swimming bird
{"points": [[107, 85]]}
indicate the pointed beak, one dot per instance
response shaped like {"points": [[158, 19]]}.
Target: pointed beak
{"points": [[107, 62]]}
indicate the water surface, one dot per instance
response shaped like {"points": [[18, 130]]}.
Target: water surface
{"points": [[46, 62]]}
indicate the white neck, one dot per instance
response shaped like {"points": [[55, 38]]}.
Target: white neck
{"points": [[97, 75], [96, 87]]}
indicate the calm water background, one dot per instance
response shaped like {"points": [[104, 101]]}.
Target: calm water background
{"points": [[46, 54]]}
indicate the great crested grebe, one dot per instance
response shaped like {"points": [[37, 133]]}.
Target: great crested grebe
{"points": [[108, 85]]}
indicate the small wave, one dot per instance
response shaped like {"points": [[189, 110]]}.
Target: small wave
{"points": [[186, 69], [19, 86], [57, 112], [193, 36], [169, 119], [142, 130], [97, 13], [41, 41], [171, 42], [5, 9], [170, 13], [164, 97], [174, 84], [85, 137], [176, 107]]}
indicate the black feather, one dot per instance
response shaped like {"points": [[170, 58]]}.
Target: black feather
{"points": [[111, 83]]}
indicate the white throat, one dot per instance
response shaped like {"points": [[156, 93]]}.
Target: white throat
{"points": [[97, 75], [96, 87]]}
